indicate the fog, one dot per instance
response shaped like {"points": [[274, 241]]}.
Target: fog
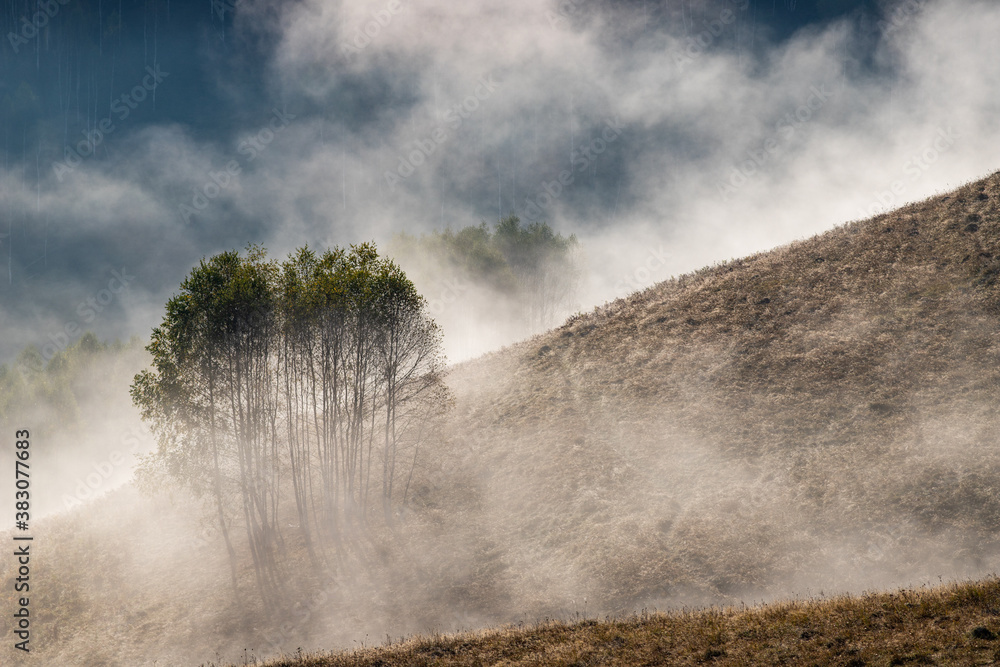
{"points": [[698, 133], [666, 136]]}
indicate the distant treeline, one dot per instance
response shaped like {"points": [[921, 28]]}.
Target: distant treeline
{"points": [[533, 270], [48, 395]]}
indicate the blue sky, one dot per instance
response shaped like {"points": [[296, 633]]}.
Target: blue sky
{"points": [[140, 137]]}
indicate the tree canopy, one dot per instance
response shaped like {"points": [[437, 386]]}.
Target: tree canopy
{"points": [[295, 387], [534, 269]]}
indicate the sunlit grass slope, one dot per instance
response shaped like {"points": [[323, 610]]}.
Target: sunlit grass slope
{"points": [[947, 625], [814, 420]]}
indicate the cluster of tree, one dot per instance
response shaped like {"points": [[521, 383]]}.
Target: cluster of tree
{"points": [[535, 270], [301, 388]]}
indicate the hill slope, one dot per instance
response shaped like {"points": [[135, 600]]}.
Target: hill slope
{"points": [[819, 418], [952, 624], [822, 416]]}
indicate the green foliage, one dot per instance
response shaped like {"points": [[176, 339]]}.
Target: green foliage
{"points": [[49, 392], [291, 380], [473, 250], [530, 265], [530, 249]]}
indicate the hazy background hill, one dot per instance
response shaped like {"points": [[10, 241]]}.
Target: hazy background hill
{"points": [[818, 418]]}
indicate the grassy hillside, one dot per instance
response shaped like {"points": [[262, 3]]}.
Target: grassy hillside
{"points": [[817, 419], [952, 624]]}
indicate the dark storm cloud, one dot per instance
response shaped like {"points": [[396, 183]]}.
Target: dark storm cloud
{"points": [[736, 126]]}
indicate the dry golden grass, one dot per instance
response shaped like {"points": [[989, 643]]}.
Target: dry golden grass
{"points": [[821, 416], [947, 625]]}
